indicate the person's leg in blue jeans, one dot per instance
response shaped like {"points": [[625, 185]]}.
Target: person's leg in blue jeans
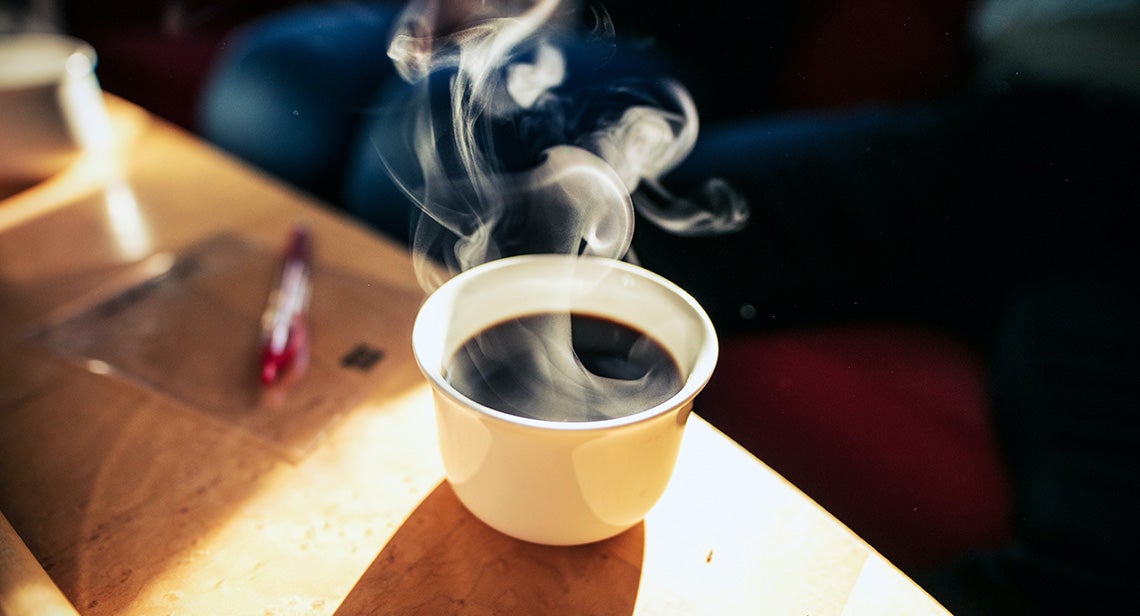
{"points": [[848, 217], [311, 96], [291, 90]]}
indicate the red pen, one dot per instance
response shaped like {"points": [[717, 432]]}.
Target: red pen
{"points": [[284, 327]]}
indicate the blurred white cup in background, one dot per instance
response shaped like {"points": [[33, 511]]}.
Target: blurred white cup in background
{"points": [[51, 105]]}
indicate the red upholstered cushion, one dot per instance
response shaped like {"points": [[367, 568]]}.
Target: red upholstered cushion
{"points": [[886, 427]]}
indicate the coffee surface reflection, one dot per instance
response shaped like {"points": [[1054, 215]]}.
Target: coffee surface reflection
{"points": [[564, 367]]}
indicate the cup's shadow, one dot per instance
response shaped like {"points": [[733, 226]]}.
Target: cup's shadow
{"points": [[444, 560]]}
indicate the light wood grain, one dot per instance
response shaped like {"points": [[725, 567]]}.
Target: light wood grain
{"points": [[134, 503]]}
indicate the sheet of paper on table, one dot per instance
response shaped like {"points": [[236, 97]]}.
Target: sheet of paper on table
{"points": [[191, 332]]}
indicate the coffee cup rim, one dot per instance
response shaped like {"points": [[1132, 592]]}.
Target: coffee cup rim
{"points": [[695, 381], [62, 56]]}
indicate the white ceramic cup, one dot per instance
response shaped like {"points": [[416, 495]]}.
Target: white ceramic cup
{"points": [[51, 105], [559, 482]]}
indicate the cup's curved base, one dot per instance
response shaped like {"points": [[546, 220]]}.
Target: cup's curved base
{"points": [[548, 532]]}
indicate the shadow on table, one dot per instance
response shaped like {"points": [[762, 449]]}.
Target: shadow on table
{"points": [[444, 560]]}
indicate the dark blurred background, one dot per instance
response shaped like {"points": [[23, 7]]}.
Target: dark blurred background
{"points": [[737, 57]]}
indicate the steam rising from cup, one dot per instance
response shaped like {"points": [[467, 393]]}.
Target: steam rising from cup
{"points": [[502, 158]]}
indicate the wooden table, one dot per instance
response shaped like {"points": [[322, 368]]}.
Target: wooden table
{"points": [[135, 503]]}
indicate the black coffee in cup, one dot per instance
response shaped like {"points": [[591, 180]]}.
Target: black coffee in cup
{"points": [[564, 367]]}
